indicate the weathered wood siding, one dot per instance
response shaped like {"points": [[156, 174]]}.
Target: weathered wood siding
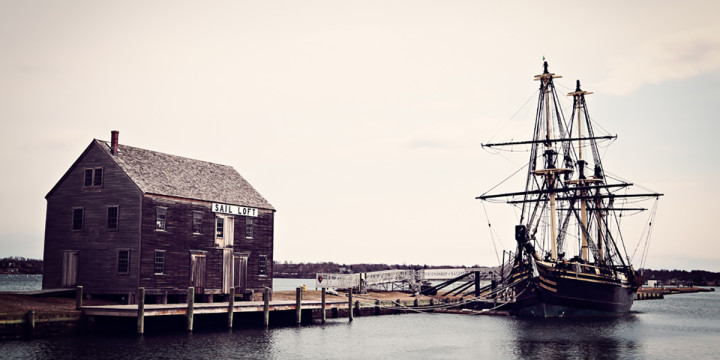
{"points": [[260, 244], [178, 240], [97, 247]]}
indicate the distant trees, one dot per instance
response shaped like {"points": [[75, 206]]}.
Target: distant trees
{"points": [[286, 269], [20, 265], [682, 277], [308, 270]]}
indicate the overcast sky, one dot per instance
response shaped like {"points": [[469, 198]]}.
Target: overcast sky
{"points": [[362, 121]]}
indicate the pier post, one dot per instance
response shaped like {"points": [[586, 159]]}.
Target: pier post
{"points": [[231, 308], [31, 323], [78, 297], [350, 306], [377, 307], [416, 303], [322, 305], [298, 305], [266, 307], [141, 310], [477, 283], [190, 308]]}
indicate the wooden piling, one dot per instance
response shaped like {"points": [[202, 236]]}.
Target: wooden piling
{"points": [[190, 308], [30, 323], [477, 283], [416, 303], [350, 306], [377, 307], [266, 307], [141, 310], [298, 305], [78, 297], [231, 308], [322, 305]]}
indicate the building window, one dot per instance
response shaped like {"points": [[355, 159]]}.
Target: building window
{"points": [[197, 222], [98, 177], [249, 227], [262, 265], [88, 177], [219, 228], [159, 267], [93, 177], [77, 221], [112, 218], [123, 262], [160, 218]]}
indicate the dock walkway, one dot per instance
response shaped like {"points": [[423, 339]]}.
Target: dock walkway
{"points": [[205, 308]]}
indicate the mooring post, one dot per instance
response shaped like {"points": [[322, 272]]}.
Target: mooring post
{"points": [[377, 307], [298, 305], [266, 307], [31, 323], [477, 283], [78, 297], [322, 305], [416, 303], [141, 310], [357, 308], [231, 308], [350, 306], [190, 308]]}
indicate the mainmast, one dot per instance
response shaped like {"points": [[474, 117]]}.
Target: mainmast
{"points": [[582, 181]]}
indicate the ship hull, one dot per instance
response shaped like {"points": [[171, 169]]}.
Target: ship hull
{"points": [[566, 293]]}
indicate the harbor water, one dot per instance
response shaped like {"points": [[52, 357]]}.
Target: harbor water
{"points": [[680, 326]]}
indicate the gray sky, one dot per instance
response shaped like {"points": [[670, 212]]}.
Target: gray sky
{"points": [[362, 121]]}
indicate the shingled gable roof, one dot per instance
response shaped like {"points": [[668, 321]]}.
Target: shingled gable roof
{"points": [[170, 175]]}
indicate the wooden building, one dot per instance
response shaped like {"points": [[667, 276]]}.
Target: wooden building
{"points": [[123, 217]]}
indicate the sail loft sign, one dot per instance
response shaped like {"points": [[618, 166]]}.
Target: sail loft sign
{"points": [[234, 210]]}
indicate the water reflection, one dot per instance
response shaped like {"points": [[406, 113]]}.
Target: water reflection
{"points": [[681, 326], [575, 338]]}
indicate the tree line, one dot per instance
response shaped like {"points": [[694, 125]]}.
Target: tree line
{"points": [[285, 269], [20, 265]]}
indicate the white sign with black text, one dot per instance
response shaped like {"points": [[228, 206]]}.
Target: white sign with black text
{"points": [[234, 210]]}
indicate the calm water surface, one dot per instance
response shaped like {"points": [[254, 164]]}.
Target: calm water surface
{"points": [[681, 326]]}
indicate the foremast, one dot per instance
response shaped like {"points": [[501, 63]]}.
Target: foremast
{"points": [[550, 173]]}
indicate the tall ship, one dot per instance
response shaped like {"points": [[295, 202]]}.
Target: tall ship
{"points": [[570, 259]]}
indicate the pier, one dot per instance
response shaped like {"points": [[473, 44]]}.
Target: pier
{"points": [[295, 311]]}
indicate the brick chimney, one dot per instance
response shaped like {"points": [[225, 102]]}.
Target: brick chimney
{"points": [[114, 142]]}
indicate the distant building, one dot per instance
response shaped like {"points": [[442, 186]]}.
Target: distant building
{"points": [[123, 218]]}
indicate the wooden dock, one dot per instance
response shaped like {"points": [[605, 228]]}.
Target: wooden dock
{"points": [[191, 309], [205, 308]]}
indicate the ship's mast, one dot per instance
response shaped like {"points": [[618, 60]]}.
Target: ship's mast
{"points": [[550, 172], [579, 104]]}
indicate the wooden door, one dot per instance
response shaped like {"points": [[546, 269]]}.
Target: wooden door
{"points": [[70, 260], [228, 271], [197, 272], [241, 261]]}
